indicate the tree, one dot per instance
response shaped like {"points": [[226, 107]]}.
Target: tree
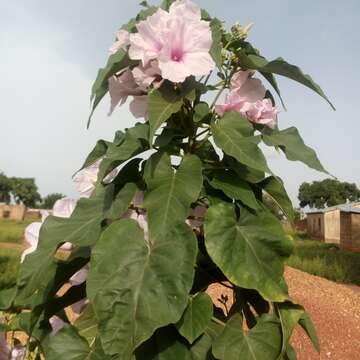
{"points": [[25, 191], [328, 192], [49, 200], [5, 188]]}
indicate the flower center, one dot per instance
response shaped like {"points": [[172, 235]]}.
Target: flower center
{"points": [[177, 54]]}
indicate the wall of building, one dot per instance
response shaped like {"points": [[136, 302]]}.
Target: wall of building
{"points": [[12, 212], [332, 226], [350, 231], [315, 225]]}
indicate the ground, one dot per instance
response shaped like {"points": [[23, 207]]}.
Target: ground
{"points": [[334, 309]]}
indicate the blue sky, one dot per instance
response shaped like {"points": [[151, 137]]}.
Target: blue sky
{"points": [[50, 53]]}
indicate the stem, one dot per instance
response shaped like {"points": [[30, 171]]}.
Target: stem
{"points": [[207, 78], [217, 321], [217, 96]]}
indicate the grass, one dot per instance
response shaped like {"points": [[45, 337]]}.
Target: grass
{"points": [[12, 231], [325, 260], [9, 264]]}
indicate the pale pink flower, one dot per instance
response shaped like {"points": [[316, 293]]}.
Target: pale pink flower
{"points": [[246, 96], [146, 44], [139, 107], [80, 277], [85, 180], [122, 41], [145, 76], [62, 208], [186, 9], [79, 306], [56, 324], [121, 86], [179, 40], [18, 352], [263, 112]]}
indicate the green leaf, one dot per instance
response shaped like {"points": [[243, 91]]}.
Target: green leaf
{"points": [[82, 229], [98, 152], [122, 201], [134, 287], [294, 148], [290, 315], [134, 142], [290, 353], [165, 344], [202, 110], [251, 252], [234, 135], [272, 80], [281, 67], [308, 326], [166, 4], [161, 105], [67, 344], [216, 47], [274, 187], [233, 187], [86, 325], [170, 193], [246, 173], [196, 317], [201, 349], [261, 342], [7, 296], [116, 62]]}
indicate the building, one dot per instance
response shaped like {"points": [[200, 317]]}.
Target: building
{"points": [[338, 225], [12, 212]]}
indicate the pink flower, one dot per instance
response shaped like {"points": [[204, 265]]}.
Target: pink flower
{"points": [[145, 76], [85, 180], [62, 208], [138, 106], [263, 112], [121, 86], [186, 9], [246, 96], [179, 40], [122, 41], [148, 42]]}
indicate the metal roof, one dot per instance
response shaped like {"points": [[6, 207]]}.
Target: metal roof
{"points": [[349, 208]]}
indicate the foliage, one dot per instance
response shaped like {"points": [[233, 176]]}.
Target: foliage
{"points": [[203, 220], [328, 192], [326, 260], [5, 188], [49, 200], [25, 191], [12, 231]]}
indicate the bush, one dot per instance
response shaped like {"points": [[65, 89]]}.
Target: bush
{"points": [[326, 260]]}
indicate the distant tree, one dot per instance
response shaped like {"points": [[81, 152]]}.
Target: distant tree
{"points": [[25, 191], [49, 200], [328, 192], [5, 188]]}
